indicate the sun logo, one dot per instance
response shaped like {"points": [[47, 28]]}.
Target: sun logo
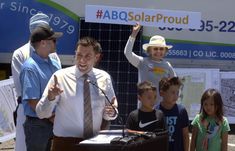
{"points": [[157, 70]]}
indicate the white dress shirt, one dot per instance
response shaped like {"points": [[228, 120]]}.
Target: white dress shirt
{"points": [[69, 106]]}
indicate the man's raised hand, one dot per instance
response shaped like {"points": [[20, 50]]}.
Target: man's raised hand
{"points": [[54, 90]]}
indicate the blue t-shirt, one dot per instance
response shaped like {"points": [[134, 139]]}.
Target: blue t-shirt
{"points": [[176, 119], [35, 74]]}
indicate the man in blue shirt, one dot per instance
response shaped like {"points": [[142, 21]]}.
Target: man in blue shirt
{"points": [[19, 56], [35, 73]]}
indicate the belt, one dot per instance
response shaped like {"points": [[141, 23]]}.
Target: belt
{"points": [[36, 118], [19, 100], [32, 118]]}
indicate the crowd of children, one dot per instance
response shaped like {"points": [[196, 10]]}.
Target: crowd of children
{"points": [[157, 79]]}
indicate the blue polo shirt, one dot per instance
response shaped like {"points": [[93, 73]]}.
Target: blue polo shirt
{"points": [[35, 74]]}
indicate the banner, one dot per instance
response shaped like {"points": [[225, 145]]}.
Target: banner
{"points": [[15, 17], [202, 51]]}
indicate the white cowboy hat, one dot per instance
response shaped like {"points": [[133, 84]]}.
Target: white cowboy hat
{"points": [[156, 41]]}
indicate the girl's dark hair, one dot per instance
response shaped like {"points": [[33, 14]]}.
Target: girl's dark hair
{"points": [[145, 86], [218, 103], [165, 83], [89, 41]]}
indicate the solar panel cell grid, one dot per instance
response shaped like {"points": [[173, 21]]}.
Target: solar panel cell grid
{"points": [[113, 39]]}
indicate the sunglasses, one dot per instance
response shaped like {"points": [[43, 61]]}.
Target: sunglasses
{"points": [[53, 39], [159, 48]]}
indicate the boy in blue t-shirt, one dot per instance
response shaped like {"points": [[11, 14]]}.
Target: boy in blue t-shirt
{"points": [[176, 115]]}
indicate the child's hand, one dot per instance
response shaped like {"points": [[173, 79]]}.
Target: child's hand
{"points": [[135, 30]]}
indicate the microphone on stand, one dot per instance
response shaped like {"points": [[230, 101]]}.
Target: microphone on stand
{"points": [[115, 109]]}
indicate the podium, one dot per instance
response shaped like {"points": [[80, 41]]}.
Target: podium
{"points": [[101, 142]]}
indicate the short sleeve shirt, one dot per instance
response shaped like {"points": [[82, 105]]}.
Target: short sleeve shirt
{"points": [[34, 76], [176, 119], [211, 131], [146, 121]]}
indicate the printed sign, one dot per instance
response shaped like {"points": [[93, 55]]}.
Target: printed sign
{"points": [[146, 17]]}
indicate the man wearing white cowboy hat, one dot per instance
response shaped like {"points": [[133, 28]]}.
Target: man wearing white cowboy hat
{"points": [[153, 67]]}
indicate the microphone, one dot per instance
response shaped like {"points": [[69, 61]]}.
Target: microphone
{"points": [[115, 109]]}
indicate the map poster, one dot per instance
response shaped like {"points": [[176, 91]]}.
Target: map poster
{"points": [[7, 106], [194, 82]]}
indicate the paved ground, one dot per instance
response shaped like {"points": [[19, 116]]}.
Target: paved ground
{"points": [[231, 142], [9, 145]]}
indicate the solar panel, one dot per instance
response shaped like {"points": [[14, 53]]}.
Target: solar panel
{"points": [[113, 38]]}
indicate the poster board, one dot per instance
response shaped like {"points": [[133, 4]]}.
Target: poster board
{"points": [[8, 104], [228, 94], [195, 82]]}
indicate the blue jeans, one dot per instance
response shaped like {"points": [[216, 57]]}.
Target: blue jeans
{"points": [[38, 134]]}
